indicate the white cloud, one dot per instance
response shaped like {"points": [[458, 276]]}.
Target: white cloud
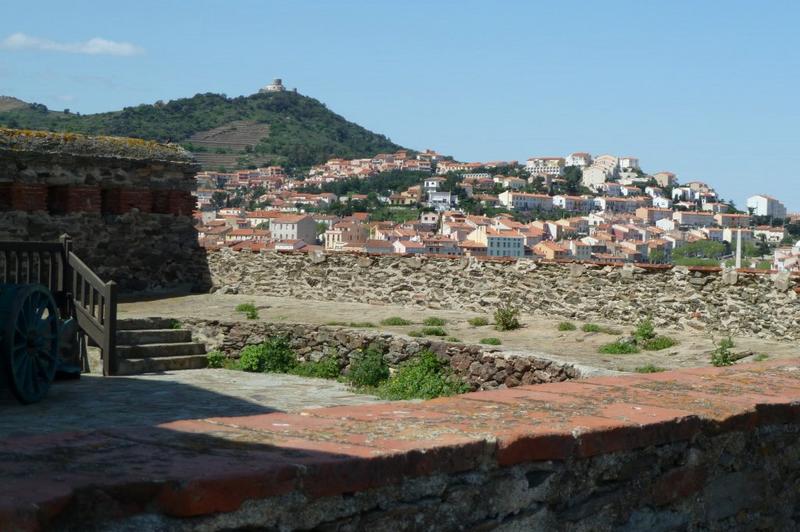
{"points": [[94, 46]]}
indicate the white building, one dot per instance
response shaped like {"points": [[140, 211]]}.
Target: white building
{"points": [[297, 227], [552, 166], [629, 163], [524, 201], [763, 205], [579, 159]]}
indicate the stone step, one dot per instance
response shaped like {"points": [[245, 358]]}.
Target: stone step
{"points": [[128, 324], [134, 366], [153, 336], [161, 350]]}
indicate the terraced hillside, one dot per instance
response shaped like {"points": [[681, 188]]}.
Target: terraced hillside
{"points": [[266, 128]]}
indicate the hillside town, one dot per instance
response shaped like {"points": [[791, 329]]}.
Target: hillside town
{"points": [[581, 207]]}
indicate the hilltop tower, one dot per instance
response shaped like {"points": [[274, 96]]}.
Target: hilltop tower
{"points": [[275, 86]]}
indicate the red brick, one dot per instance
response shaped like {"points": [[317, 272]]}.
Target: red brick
{"points": [[74, 198], [28, 197], [181, 203], [122, 200]]}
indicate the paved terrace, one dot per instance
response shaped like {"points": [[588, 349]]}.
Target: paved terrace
{"points": [[340, 465]]}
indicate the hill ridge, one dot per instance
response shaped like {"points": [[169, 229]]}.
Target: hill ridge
{"points": [[277, 128]]}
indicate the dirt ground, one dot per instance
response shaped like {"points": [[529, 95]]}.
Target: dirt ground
{"points": [[538, 336]]}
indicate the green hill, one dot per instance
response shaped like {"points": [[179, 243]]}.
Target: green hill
{"points": [[266, 128]]}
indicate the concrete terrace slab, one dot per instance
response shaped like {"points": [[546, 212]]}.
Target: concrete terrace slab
{"points": [[222, 462], [101, 403], [538, 337]]}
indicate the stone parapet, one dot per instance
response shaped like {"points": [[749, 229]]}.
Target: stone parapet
{"points": [[691, 449]]}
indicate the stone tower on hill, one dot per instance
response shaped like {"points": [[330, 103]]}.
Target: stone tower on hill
{"points": [[275, 86]]}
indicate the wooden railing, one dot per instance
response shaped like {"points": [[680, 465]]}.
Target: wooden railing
{"points": [[78, 291]]}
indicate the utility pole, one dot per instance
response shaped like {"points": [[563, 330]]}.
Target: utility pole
{"points": [[739, 248]]}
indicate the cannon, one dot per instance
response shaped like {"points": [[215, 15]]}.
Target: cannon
{"points": [[33, 341]]}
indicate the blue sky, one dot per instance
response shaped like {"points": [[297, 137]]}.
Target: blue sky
{"points": [[707, 89]]}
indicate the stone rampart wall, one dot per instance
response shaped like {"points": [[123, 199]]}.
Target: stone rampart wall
{"points": [[127, 204], [483, 368], [698, 449], [739, 303]]}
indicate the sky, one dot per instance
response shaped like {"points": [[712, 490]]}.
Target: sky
{"points": [[703, 88]]}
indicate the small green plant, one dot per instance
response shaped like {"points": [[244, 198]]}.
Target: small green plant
{"points": [[566, 326], [591, 328], [620, 347], [249, 309], [396, 321], [272, 356], [231, 363], [434, 331], [215, 359], [506, 317], [433, 321], [645, 330], [453, 339], [362, 324], [368, 369], [416, 334], [658, 343], [478, 322], [326, 367], [175, 324], [491, 341], [649, 368], [761, 357], [424, 376], [722, 356]]}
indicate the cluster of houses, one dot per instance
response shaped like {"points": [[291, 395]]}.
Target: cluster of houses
{"points": [[629, 216]]}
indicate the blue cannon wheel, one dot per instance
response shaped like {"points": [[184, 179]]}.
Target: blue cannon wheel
{"points": [[29, 344]]}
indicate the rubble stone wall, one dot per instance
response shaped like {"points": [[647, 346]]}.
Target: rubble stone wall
{"points": [[735, 302], [481, 367]]}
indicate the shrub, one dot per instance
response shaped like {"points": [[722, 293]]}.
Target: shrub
{"points": [[645, 330], [658, 343], [326, 367], [566, 326], [368, 369], [273, 356], [249, 309], [396, 321], [620, 347], [175, 324], [433, 321], [422, 377], [591, 328], [416, 334], [362, 324], [215, 359], [433, 331], [722, 356], [478, 322], [491, 341], [649, 368], [453, 339], [506, 317]]}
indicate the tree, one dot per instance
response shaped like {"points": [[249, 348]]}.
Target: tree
{"points": [[218, 199]]}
